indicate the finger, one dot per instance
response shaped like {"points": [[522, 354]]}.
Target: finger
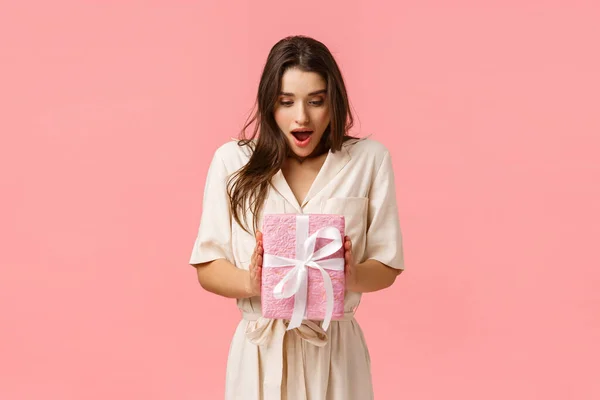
{"points": [[259, 261], [258, 241]]}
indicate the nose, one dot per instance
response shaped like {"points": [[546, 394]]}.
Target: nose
{"points": [[302, 115]]}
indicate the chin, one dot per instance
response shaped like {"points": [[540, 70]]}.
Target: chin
{"points": [[301, 153]]}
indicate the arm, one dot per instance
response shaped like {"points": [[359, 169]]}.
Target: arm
{"points": [[384, 256], [212, 254], [369, 276], [225, 279]]}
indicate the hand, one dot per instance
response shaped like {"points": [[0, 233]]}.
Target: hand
{"points": [[255, 268], [349, 266]]}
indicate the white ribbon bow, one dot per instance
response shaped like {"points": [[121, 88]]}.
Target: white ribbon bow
{"points": [[307, 257]]}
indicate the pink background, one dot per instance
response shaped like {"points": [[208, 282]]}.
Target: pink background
{"points": [[110, 112]]}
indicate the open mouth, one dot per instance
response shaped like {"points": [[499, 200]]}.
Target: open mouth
{"points": [[302, 137]]}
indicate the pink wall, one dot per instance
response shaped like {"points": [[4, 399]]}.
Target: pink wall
{"points": [[109, 115]]}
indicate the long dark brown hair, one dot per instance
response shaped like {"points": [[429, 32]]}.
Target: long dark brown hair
{"points": [[248, 187]]}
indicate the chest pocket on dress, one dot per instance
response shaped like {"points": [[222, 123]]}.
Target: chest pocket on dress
{"points": [[354, 210]]}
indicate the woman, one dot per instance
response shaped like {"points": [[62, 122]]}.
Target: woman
{"points": [[299, 159]]}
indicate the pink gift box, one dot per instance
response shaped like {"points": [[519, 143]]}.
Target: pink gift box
{"points": [[279, 239]]}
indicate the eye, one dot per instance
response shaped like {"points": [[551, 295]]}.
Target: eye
{"points": [[317, 103]]}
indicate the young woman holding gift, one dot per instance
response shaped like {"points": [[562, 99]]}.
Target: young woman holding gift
{"points": [[299, 160]]}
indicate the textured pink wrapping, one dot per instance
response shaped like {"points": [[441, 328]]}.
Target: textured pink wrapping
{"points": [[279, 238]]}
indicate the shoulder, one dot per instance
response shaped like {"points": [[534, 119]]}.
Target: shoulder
{"points": [[366, 150], [232, 154]]}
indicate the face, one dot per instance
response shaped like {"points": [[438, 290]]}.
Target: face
{"points": [[302, 106]]}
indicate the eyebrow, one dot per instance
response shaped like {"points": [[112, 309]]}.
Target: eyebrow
{"points": [[310, 94]]}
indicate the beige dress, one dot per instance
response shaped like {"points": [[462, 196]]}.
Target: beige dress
{"points": [[266, 362]]}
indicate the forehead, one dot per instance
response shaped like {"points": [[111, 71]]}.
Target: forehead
{"points": [[301, 83]]}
